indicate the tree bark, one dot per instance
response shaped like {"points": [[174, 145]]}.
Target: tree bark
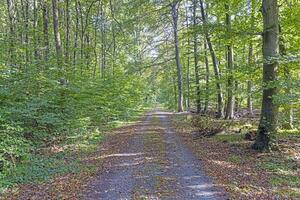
{"points": [[56, 33], [103, 44], [207, 75], [45, 28], [67, 36], [76, 35], [197, 76], [188, 65], [250, 64], [12, 20], [269, 112], [220, 110], [174, 8], [288, 110], [249, 98], [34, 25], [25, 15], [230, 66], [113, 29]]}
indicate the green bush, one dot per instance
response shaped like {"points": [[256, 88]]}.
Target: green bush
{"points": [[37, 110]]}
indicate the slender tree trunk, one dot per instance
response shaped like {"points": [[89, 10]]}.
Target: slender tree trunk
{"points": [[288, 108], [113, 36], [175, 93], [12, 20], [250, 64], [67, 36], [220, 112], [237, 100], [175, 6], [197, 76], [96, 40], [188, 65], [269, 113], [87, 51], [249, 82], [207, 74], [288, 111], [46, 28], [76, 35], [81, 37], [103, 47], [56, 33], [34, 25], [230, 66], [25, 11]]}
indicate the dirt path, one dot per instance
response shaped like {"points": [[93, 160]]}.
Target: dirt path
{"points": [[153, 164]]}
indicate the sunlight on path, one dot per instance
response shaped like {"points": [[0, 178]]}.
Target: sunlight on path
{"points": [[154, 164]]}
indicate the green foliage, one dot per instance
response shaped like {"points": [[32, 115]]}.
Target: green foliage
{"points": [[39, 168], [42, 110]]}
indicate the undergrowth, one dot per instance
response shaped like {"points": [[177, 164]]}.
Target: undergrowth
{"points": [[63, 157]]}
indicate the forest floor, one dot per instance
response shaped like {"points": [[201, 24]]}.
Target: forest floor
{"points": [[157, 157], [242, 171]]}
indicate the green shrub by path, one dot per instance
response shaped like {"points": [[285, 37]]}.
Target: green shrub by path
{"points": [[38, 111]]}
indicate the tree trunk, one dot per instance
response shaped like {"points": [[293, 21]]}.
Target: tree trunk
{"points": [[96, 40], [45, 28], [113, 36], [288, 110], [103, 46], [56, 33], [249, 82], [197, 76], [188, 66], [220, 112], [175, 6], [67, 36], [207, 74], [12, 19], [80, 9], [25, 15], [237, 99], [76, 35], [34, 25], [269, 113], [230, 66], [249, 98], [288, 124], [250, 64]]}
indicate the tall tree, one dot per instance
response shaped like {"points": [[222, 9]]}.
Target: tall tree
{"points": [[67, 34], [197, 75], [46, 28], [220, 112], [76, 35], [57, 38], [12, 23], [35, 31], [269, 112], [188, 105], [230, 66], [288, 124], [207, 74], [250, 62], [174, 9]]}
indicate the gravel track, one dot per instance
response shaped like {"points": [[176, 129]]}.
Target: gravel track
{"points": [[153, 164]]}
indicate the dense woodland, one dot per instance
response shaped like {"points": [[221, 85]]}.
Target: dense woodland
{"points": [[69, 67]]}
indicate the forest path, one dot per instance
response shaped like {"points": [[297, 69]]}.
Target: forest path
{"points": [[153, 164]]}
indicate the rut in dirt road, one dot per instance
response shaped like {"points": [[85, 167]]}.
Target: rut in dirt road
{"points": [[154, 164]]}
